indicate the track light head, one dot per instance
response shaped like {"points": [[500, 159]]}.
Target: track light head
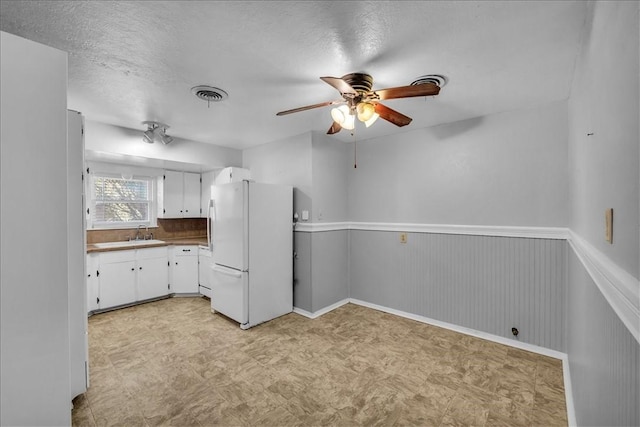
{"points": [[156, 131]]}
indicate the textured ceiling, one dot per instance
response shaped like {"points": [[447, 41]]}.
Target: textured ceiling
{"points": [[138, 60]]}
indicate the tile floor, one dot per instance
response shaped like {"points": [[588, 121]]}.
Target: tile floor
{"points": [[173, 362]]}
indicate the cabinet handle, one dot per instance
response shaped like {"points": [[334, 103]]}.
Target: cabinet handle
{"points": [[132, 269], [140, 268], [176, 263], [186, 250]]}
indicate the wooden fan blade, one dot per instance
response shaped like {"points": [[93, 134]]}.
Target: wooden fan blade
{"points": [[308, 107], [335, 128], [424, 89], [392, 116], [342, 86]]}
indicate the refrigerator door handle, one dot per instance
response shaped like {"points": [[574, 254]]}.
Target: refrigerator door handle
{"points": [[211, 218], [227, 271]]}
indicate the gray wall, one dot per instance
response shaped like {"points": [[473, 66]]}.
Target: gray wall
{"points": [[604, 167], [480, 282], [285, 162], [329, 269], [502, 169], [330, 178], [604, 174], [34, 322]]}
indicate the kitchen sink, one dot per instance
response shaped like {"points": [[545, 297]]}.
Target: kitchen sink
{"points": [[125, 244]]}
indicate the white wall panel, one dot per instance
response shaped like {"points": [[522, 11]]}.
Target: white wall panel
{"points": [[34, 322]]}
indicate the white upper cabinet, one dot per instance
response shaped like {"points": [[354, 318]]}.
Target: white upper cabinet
{"points": [[191, 195], [179, 195]]}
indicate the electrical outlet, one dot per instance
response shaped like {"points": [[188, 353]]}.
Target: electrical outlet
{"points": [[403, 237], [608, 230]]}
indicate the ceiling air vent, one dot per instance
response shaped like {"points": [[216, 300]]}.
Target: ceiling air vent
{"points": [[209, 93], [435, 79]]}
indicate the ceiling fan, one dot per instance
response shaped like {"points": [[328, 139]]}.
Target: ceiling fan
{"points": [[359, 100]]}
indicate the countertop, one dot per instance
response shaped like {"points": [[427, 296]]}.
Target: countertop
{"points": [[165, 242]]}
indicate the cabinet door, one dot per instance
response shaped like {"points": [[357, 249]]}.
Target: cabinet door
{"points": [[153, 278], [92, 282], [185, 275], [191, 195], [117, 283], [204, 271], [172, 195]]}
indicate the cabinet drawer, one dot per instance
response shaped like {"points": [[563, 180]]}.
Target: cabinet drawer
{"points": [[117, 256], [185, 250], [148, 253]]}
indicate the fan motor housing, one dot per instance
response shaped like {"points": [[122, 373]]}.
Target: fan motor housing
{"points": [[362, 83]]}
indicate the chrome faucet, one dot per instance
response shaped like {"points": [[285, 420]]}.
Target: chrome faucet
{"points": [[138, 233]]}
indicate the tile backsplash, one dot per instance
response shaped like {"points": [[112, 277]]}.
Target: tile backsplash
{"points": [[167, 229]]}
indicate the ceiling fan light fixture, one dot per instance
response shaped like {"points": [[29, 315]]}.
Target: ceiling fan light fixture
{"points": [[349, 122], [365, 111], [372, 119], [342, 115]]}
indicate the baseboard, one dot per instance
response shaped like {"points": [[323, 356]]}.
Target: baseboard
{"points": [[319, 313], [568, 392]]}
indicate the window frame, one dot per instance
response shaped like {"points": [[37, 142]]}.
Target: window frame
{"points": [[106, 225]]}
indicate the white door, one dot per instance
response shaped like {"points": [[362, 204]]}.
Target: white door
{"points": [[173, 194], [229, 226], [204, 272], [117, 283], [191, 195], [153, 278], [229, 290], [185, 270]]}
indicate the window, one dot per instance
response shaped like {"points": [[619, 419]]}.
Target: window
{"points": [[121, 202]]}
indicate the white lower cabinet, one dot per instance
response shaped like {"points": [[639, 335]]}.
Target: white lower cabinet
{"points": [[184, 269], [117, 277], [204, 272], [93, 284], [124, 277], [153, 273]]}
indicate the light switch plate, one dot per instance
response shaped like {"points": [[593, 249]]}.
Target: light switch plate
{"points": [[403, 237], [305, 215], [608, 231]]}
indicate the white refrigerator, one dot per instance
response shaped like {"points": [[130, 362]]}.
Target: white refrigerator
{"points": [[252, 251]]}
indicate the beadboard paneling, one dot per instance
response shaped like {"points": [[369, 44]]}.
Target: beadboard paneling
{"points": [[320, 269], [604, 356], [486, 283]]}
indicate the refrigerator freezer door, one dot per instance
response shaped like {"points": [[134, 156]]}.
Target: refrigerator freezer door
{"points": [[229, 292], [230, 225]]}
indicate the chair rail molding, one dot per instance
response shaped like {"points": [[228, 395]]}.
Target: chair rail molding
{"points": [[560, 233], [620, 289]]}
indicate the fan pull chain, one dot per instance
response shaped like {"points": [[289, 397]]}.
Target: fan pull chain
{"points": [[355, 149]]}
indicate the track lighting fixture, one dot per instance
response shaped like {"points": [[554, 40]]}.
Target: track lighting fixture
{"points": [[156, 131]]}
